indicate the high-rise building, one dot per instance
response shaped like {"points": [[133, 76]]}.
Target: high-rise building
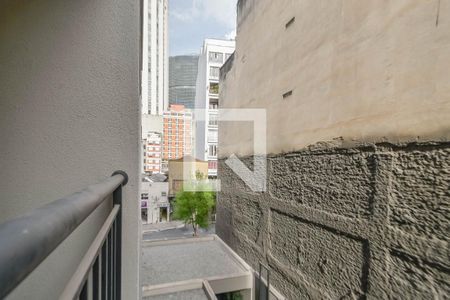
{"points": [[214, 54], [152, 153], [177, 135], [155, 58], [151, 132], [155, 81], [182, 80]]}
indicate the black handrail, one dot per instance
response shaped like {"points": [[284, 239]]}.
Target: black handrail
{"points": [[27, 240]]}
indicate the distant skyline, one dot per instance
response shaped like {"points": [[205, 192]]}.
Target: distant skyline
{"points": [[191, 21]]}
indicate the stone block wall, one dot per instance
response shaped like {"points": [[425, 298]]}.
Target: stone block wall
{"points": [[371, 221]]}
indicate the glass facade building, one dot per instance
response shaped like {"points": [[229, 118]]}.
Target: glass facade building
{"points": [[182, 80]]}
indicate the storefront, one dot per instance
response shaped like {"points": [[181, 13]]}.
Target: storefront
{"points": [[144, 211]]}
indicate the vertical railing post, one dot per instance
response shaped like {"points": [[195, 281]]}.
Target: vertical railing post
{"points": [[117, 200], [258, 287], [104, 270], [110, 266], [96, 278]]}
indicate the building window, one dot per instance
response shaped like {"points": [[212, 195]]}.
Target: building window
{"points": [[213, 121], [213, 150], [287, 94], [214, 88], [212, 136], [213, 104], [291, 21], [215, 57], [163, 194], [214, 72], [144, 196], [212, 165]]}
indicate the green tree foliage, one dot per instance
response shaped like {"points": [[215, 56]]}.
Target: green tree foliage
{"points": [[193, 207], [199, 175], [230, 296]]}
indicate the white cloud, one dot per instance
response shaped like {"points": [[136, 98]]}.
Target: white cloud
{"points": [[222, 11], [186, 15], [231, 35]]}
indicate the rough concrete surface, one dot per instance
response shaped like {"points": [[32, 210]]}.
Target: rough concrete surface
{"points": [[344, 223]]}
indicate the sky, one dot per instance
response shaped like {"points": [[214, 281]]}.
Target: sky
{"points": [[191, 21]]}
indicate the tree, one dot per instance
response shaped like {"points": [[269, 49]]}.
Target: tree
{"points": [[193, 207], [199, 176]]}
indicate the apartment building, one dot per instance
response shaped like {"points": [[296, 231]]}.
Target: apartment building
{"points": [[155, 81], [155, 57], [155, 207], [182, 80], [152, 152], [213, 55], [177, 133]]}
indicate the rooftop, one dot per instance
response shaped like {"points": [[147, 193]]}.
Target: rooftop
{"points": [[170, 267], [219, 42], [197, 258], [155, 178], [187, 158]]}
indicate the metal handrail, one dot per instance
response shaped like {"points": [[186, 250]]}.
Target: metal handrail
{"points": [[27, 240]]}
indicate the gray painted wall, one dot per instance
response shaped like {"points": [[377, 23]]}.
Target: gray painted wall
{"points": [[69, 117], [338, 223]]}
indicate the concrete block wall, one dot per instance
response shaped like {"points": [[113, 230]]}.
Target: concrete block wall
{"points": [[369, 221]]}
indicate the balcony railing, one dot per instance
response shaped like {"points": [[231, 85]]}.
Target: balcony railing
{"points": [[26, 241]]}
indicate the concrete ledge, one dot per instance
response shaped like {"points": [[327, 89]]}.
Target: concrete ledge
{"points": [[167, 288], [182, 286]]}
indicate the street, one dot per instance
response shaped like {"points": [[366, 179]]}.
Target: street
{"points": [[176, 233]]}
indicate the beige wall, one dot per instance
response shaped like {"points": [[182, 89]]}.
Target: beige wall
{"points": [[362, 70], [69, 117], [176, 170]]}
